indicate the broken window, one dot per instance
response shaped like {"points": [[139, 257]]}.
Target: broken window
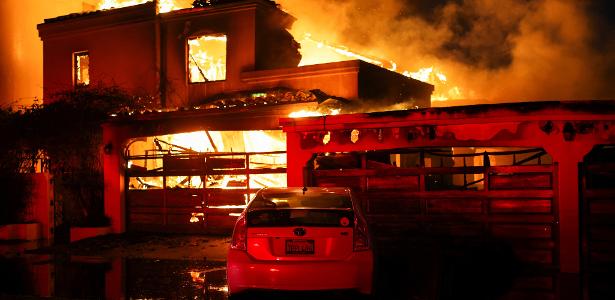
{"points": [[207, 58], [81, 68]]}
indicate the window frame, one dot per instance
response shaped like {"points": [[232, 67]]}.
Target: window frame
{"points": [[75, 69], [187, 56]]}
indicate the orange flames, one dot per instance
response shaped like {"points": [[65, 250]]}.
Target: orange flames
{"points": [[231, 144], [313, 113], [207, 58], [163, 5], [315, 51]]}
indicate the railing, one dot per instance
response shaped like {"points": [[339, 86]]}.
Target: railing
{"points": [[223, 186], [510, 202]]}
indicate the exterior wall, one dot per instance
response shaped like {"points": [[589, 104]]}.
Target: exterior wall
{"points": [[121, 47], [389, 88], [339, 79], [237, 23], [353, 80], [38, 218], [42, 203]]}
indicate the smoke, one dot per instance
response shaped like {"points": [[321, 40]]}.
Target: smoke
{"points": [[508, 50]]}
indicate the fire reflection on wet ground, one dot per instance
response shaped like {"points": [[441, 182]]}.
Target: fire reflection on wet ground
{"points": [[93, 278], [489, 272]]}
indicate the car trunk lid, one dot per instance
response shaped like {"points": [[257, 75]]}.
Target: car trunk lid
{"points": [[300, 234]]}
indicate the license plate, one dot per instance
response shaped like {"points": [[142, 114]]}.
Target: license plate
{"points": [[294, 247]]}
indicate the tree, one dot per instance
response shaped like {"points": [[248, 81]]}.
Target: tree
{"points": [[67, 131]]}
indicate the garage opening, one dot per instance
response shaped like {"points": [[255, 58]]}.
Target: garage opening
{"points": [[199, 181], [475, 193], [598, 221]]}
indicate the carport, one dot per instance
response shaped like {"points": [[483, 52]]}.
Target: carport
{"points": [[505, 172]]}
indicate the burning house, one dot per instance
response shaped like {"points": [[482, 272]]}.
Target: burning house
{"points": [[226, 83], [222, 75], [537, 176]]}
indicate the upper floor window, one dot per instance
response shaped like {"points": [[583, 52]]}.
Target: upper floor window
{"points": [[207, 58], [81, 68]]}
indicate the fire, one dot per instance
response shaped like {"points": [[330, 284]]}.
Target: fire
{"points": [[341, 51], [163, 5], [260, 149], [207, 58], [313, 113], [198, 140], [211, 66], [316, 51], [110, 4], [196, 217], [196, 276], [443, 90]]}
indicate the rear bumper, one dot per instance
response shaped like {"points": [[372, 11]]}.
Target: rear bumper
{"points": [[245, 273]]}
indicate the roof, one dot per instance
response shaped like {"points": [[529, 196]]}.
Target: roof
{"points": [[96, 13], [137, 7]]}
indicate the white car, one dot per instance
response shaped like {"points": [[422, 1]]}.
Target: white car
{"points": [[300, 239]]}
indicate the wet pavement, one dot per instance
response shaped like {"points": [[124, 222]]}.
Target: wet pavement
{"points": [[95, 278], [193, 267]]}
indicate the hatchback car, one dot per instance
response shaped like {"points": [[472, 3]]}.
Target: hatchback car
{"points": [[300, 239]]}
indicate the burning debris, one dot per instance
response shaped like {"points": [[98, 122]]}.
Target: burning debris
{"points": [[212, 156], [262, 97], [323, 104]]}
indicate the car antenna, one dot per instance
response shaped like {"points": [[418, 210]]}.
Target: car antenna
{"points": [[304, 189]]}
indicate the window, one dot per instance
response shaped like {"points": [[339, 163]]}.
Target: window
{"points": [[81, 68], [207, 58]]}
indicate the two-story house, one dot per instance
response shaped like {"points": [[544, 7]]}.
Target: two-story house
{"points": [[223, 75]]}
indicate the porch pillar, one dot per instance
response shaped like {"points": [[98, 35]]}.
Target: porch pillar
{"points": [[113, 174], [296, 159], [114, 280], [567, 156]]}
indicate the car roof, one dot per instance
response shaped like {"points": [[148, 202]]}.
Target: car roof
{"points": [[308, 190]]}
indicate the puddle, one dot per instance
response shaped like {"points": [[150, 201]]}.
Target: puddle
{"points": [[95, 278]]}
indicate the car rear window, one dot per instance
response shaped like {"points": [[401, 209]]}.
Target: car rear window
{"points": [[301, 217], [298, 199], [296, 207]]}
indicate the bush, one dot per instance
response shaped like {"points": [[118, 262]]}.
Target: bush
{"points": [[68, 132]]}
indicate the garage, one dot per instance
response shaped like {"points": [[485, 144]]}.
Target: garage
{"points": [[199, 181], [598, 221], [459, 178]]}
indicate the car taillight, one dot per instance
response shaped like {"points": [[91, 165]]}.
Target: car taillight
{"points": [[240, 234], [361, 235]]}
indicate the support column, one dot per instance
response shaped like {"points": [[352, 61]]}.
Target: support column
{"points": [[113, 173], [567, 156], [296, 159], [568, 215], [114, 280]]}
